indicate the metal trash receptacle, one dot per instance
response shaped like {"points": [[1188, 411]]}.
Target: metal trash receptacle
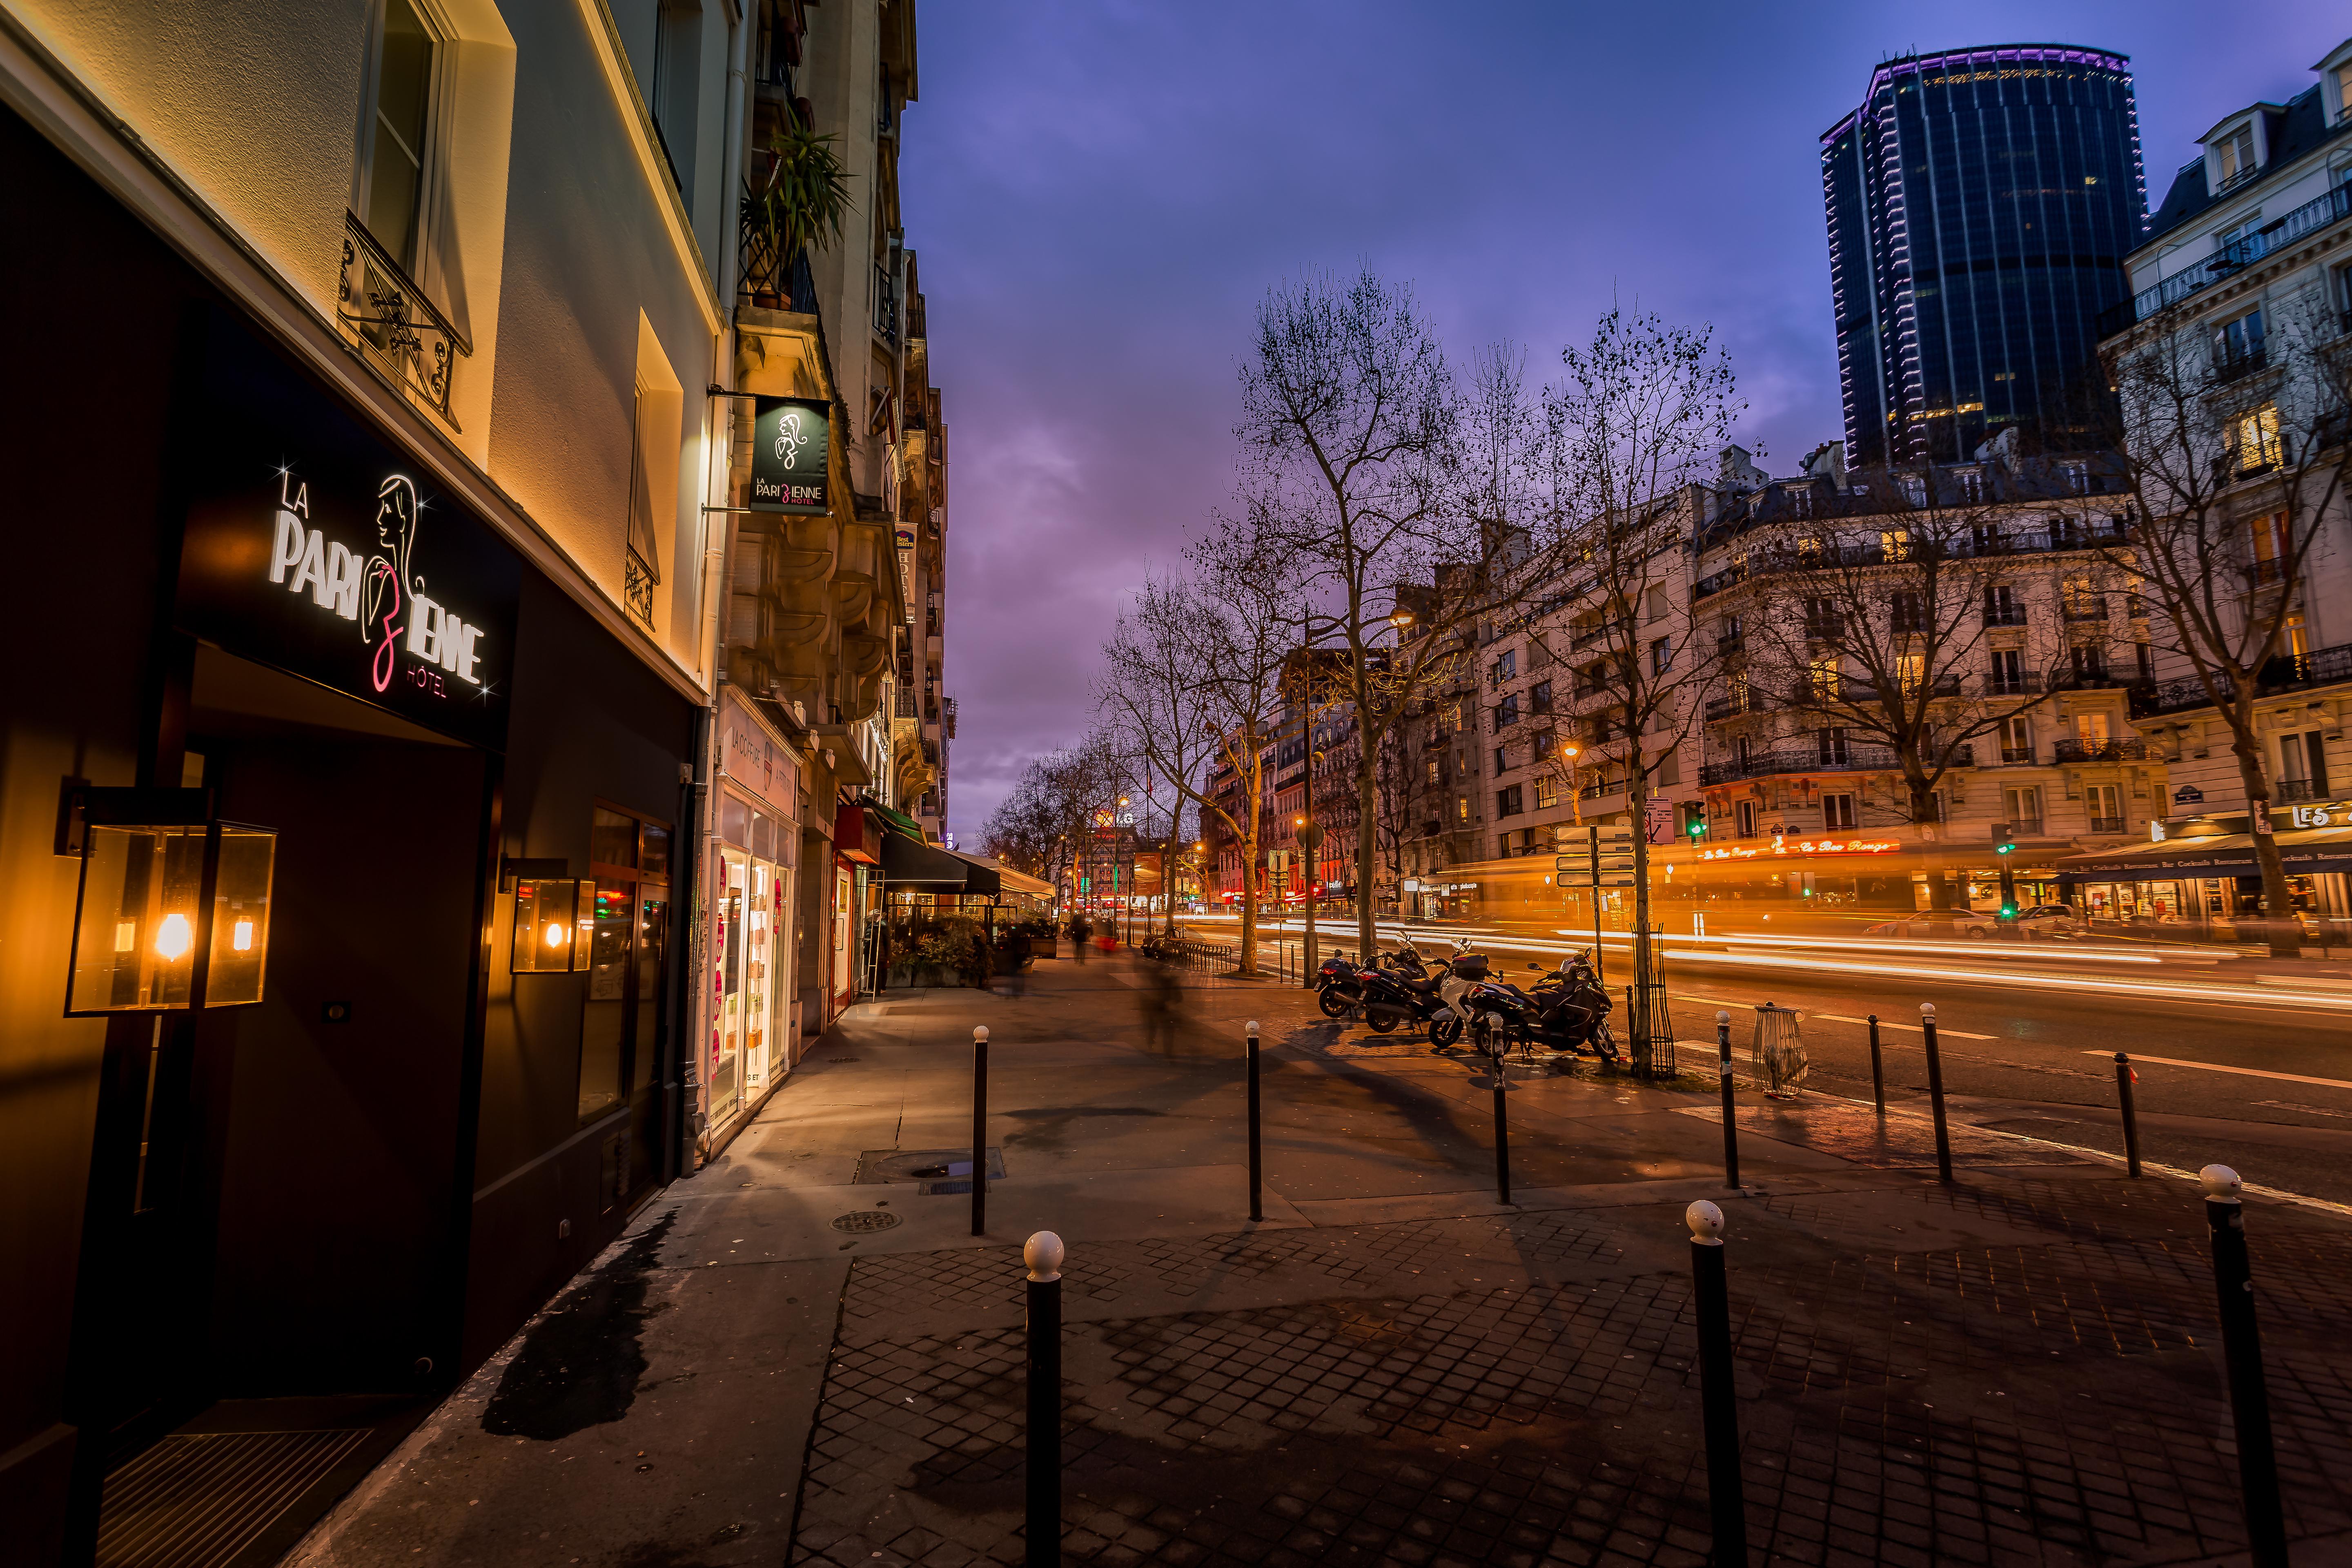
{"points": [[1777, 1055]]}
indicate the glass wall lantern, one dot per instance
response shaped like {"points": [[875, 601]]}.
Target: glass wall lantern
{"points": [[173, 908], [550, 929]]}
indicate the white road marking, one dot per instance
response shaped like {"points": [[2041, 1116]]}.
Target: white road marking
{"points": [[2137, 1060], [1841, 1018]]}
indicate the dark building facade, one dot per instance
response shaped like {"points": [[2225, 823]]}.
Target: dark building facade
{"points": [[1981, 204]]}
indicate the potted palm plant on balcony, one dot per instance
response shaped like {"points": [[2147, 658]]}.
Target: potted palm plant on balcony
{"points": [[798, 203]]}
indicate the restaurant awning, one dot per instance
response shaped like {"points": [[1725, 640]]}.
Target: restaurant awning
{"points": [[911, 863], [2216, 855]]}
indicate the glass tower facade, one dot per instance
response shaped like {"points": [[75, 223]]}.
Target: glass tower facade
{"points": [[1980, 204]]}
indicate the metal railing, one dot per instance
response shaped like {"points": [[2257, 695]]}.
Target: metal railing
{"points": [[885, 302], [2106, 825], [393, 317], [2288, 672], [2023, 684], [1797, 760], [2017, 756], [2226, 261], [2073, 750], [2228, 367], [2293, 790]]}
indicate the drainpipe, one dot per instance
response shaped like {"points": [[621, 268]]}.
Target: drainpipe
{"points": [[718, 541]]}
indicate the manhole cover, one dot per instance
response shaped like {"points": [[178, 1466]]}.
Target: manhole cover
{"points": [[838, 1061], [862, 1220]]}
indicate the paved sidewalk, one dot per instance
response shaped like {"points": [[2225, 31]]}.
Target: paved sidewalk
{"points": [[802, 1355]]}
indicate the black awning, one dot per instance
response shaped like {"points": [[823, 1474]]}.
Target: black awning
{"points": [[911, 863], [982, 879]]}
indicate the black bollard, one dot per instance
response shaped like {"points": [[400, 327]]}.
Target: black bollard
{"points": [[1877, 1068], [1502, 1138], [2124, 1077], [2242, 1344], [1044, 1255], [1258, 1172], [1936, 1092], [1719, 1402], [1731, 1125], [980, 1131]]}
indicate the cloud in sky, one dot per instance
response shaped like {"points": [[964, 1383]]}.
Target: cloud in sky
{"points": [[1102, 190]]}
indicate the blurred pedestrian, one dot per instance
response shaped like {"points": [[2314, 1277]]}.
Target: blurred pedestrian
{"points": [[1080, 931], [1160, 999]]}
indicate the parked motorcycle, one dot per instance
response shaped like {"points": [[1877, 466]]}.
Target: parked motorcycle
{"points": [[1337, 990], [1567, 1011], [1402, 990]]}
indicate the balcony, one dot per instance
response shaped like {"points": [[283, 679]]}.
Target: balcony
{"points": [[1729, 707], [2025, 827], [2072, 751], [2106, 825], [400, 325], [2227, 260], [2228, 368], [2022, 683], [2017, 756], [885, 302], [1797, 760], [2293, 790], [2084, 609], [2288, 672], [1725, 646], [2004, 615]]}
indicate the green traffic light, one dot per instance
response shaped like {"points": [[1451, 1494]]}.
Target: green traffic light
{"points": [[2004, 848]]}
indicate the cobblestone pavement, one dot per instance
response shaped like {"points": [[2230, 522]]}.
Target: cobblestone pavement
{"points": [[2020, 1369]]}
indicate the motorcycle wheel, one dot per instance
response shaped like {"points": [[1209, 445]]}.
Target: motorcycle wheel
{"points": [[1603, 1041], [1445, 1031], [1380, 1023], [1334, 1005]]}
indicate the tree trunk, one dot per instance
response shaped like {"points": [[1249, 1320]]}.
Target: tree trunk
{"points": [[2281, 926], [1367, 797], [1637, 796], [1923, 811], [1249, 879]]}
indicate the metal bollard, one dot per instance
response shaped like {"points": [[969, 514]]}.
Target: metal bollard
{"points": [[980, 1131], [2124, 1079], [1731, 1125], [2241, 1343], [1877, 1068], [1936, 1092], [1044, 1255], [1502, 1136], [1257, 1174], [1719, 1401]]}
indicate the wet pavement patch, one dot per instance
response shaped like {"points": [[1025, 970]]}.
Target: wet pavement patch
{"points": [[580, 1363]]}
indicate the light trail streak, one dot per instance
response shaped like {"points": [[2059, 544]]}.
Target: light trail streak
{"points": [[1844, 964]]}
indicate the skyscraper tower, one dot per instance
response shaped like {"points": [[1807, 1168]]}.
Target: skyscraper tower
{"points": [[1981, 204]]}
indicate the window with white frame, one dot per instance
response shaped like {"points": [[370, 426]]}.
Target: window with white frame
{"points": [[2236, 152]]}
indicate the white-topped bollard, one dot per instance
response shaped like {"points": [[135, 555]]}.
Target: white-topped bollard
{"points": [[1730, 1126], [1044, 1253], [1257, 1171], [980, 1131], [1711, 1295], [2242, 1346]]}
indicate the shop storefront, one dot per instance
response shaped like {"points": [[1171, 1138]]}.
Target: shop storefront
{"points": [[339, 840], [752, 1034], [2201, 874]]}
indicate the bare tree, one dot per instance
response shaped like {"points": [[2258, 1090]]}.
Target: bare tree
{"points": [[2236, 451], [1365, 467], [1239, 645], [1154, 693], [1642, 405], [1896, 620]]}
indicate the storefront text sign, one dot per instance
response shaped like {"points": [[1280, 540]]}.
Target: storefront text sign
{"points": [[754, 761], [791, 455], [1803, 847], [314, 546]]}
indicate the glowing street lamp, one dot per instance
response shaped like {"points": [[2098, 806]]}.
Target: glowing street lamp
{"points": [[1575, 795], [173, 908]]}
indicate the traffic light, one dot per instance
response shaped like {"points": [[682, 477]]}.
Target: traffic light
{"points": [[1698, 830]]}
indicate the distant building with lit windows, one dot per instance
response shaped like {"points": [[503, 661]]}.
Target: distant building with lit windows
{"points": [[1980, 204]]}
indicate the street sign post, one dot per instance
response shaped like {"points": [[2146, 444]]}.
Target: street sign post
{"points": [[1604, 860]]}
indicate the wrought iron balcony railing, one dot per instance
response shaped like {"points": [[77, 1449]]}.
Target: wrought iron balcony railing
{"points": [[378, 300], [2106, 825], [2073, 750], [2227, 260]]}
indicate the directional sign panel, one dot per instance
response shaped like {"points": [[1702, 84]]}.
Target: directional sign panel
{"points": [[1605, 860]]}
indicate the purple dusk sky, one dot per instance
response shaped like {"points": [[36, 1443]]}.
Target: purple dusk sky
{"points": [[1101, 190]]}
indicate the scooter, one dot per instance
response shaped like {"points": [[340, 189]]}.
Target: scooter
{"points": [[1338, 989], [1403, 992]]}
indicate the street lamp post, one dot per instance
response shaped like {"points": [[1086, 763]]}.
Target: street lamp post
{"points": [[1310, 839], [1127, 900], [1575, 795]]}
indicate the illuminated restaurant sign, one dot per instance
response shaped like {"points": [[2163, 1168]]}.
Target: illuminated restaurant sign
{"points": [[312, 545], [1804, 847]]}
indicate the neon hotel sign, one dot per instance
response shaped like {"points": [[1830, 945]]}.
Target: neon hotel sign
{"points": [[379, 589], [1805, 846]]}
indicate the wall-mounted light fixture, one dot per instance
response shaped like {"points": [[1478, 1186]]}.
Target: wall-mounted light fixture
{"points": [[550, 929], [172, 912]]}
